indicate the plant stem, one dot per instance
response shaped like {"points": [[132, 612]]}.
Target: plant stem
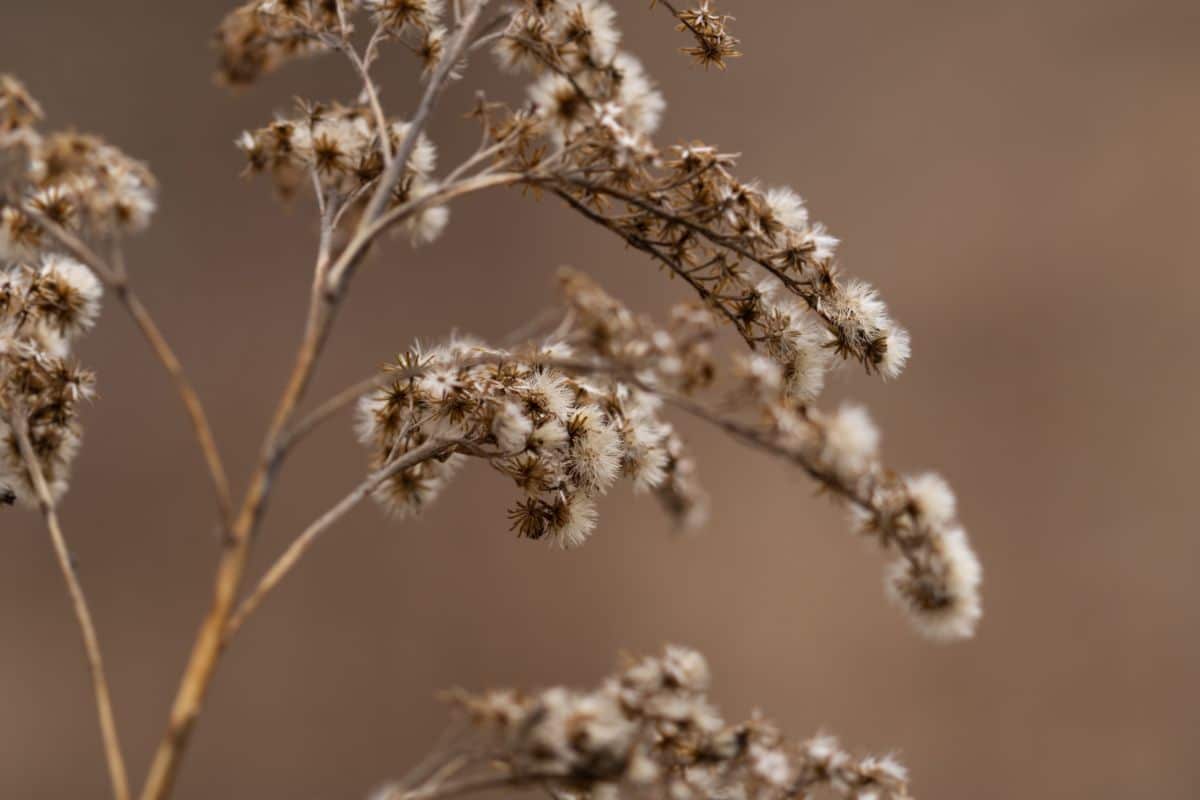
{"points": [[117, 281], [280, 569], [83, 614]]}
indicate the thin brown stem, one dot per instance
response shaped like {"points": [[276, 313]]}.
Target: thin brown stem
{"points": [[443, 195], [714, 237], [667, 5], [286, 562], [210, 640], [362, 68], [639, 243], [329, 408], [83, 614], [116, 281], [191, 401], [433, 91], [465, 786], [493, 30]]}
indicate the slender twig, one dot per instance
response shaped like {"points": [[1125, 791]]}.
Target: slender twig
{"points": [[483, 783], [117, 282], [362, 67], [481, 155], [83, 614], [667, 5], [371, 51], [639, 243], [447, 751], [343, 24], [280, 569], [425, 107], [329, 408], [437, 197], [708, 233], [395, 171], [494, 29]]}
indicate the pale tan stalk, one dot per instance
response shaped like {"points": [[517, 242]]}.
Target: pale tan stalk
{"points": [[360, 66], [284, 564], [116, 280], [329, 285], [83, 614], [311, 421]]}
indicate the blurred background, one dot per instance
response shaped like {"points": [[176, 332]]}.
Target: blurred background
{"points": [[1022, 181]]}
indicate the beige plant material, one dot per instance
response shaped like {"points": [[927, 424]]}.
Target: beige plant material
{"points": [[562, 412]]}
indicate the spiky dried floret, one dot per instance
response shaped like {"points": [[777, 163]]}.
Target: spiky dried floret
{"points": [[710, 29]]}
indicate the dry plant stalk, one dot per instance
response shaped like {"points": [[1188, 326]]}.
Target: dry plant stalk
{"points": [[562, 411]]}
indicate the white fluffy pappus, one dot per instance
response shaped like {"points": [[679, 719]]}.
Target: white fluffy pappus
{"points": [[944, 603], [68, 295], [851, 442]]}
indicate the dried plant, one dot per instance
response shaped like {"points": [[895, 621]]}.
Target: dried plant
{"points": [[648, 731], [563, 410]]}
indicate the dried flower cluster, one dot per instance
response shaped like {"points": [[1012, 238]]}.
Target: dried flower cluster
{"points": [[936, 577], [43, 307], [261, 35], [340, 148], [650, 731], [562, 439], [563, 414], [85, 187], [76, 181], [751, 253]]}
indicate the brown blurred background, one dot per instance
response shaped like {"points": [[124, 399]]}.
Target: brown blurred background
{"points": [[1021, 179]]}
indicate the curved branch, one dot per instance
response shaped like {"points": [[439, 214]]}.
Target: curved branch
{"points": [[116, 280], [286, 562]]}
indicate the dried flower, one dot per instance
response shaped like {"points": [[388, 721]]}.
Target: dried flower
{"points": [[562, 440], [649, 730], [41, 387], [18, 110], [714, 43], [564, 415]]}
